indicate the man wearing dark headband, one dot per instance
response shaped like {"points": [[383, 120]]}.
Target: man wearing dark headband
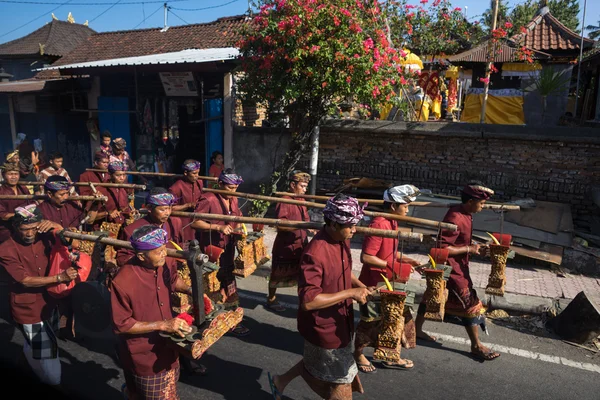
{"points": [[219, 234], [187, 191], [100, 162], [326, 290], [25, 256], [462, 297], [57, 208], [289, 242], [159, 203], [141, 309], [116, 208], [11, 187]]}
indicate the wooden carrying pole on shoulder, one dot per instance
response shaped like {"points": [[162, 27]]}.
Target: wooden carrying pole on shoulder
{"points": [[163, 174], [89, 184], [297, 224], [126, 245], [412, 220], [44, 197], [505, 207]]}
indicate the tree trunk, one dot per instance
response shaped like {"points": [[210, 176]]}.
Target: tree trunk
{"points": [[314, 159]]}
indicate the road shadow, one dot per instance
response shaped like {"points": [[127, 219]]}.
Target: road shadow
{"points": [[250, 301], [273, 337], [80, 379], [229, 379]]}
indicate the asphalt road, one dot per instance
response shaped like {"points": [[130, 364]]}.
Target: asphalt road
{"points": [[531, 366]]}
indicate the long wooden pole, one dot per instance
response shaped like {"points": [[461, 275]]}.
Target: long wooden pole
{"points": [[164, 174], [97, 184], [44, 197], [506, 207], [411, 220], [126, 245], [296, 224]]}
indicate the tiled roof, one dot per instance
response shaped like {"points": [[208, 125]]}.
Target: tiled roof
{"points": [[546, 33], [28, 85], [506, 53], [143, 42], [57, 38]]}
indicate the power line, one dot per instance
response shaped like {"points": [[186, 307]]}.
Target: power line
{"points": [[149, 16], [184, 21], [204, 8], [35, 19], [104, 12]]}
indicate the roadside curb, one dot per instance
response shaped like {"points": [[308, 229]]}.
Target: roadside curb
{"points": [[509, 302]]}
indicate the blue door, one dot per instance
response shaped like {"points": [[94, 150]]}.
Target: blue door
{"points": [[214, 128]]}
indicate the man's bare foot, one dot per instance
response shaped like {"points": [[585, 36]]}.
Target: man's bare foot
{"points": [[364, 365], [482, 353], [425, 336]]}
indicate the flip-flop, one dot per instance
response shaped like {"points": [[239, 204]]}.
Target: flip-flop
{"points": [[404, 366], [274, 391], [275, 306], [361, 368], [240, 330], [489, 356]]}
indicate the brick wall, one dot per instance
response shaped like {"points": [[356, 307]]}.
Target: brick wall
{"points": [[552, 164]]}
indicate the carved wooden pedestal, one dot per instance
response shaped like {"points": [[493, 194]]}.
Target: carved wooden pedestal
{"points": [[389, 341], [497, 279]]}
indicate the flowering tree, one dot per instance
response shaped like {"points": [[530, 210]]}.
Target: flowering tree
{"points": [[433, 28], [305, 57]]}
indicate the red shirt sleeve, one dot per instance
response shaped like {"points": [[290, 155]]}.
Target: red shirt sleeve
{"points": [[12, 264], [311, 278], [175, 190], [449, 237], [283, 211], [3, 210], [203, 205], [372, 244], [122, 314]]}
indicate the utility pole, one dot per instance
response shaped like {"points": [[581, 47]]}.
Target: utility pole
{"points": [[166, 13], [580, 58], [486, 87]]}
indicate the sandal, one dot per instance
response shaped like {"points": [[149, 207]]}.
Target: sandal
{"points": [[240, 330], [275, 306], [366, 368], [274, 391], [485, 356], [408, 364]]}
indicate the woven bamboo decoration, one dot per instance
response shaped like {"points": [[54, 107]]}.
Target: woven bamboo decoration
{"points": [[389, 340], [435, 295], [497, 279]]}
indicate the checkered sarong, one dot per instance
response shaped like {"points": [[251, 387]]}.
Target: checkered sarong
{"points": [[162, 386], [41, 337]]}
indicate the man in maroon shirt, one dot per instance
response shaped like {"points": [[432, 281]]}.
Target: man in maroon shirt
{"points": [[220, 234], [116, 209], [100, 162], [187, 192], [462, 297], [289, 242], [380, 256], [141, 309], [57, 208], [25, 256], [326, 290], [159, 203], [10, 186]]}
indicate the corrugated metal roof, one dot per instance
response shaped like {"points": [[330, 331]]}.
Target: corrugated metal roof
{"points": [[178, 57], [506, 53]]}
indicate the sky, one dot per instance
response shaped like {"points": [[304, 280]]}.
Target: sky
{"points": [[17, 18]]}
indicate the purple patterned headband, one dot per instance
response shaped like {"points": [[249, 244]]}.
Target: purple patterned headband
{"points": [[191, 166], [150, 241], [27, 215], [57, 185], [230, 179], [115, 166], [344, 210], [161, 199]]}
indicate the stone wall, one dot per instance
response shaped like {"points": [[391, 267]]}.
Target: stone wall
{"points": [[553, 164]]}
